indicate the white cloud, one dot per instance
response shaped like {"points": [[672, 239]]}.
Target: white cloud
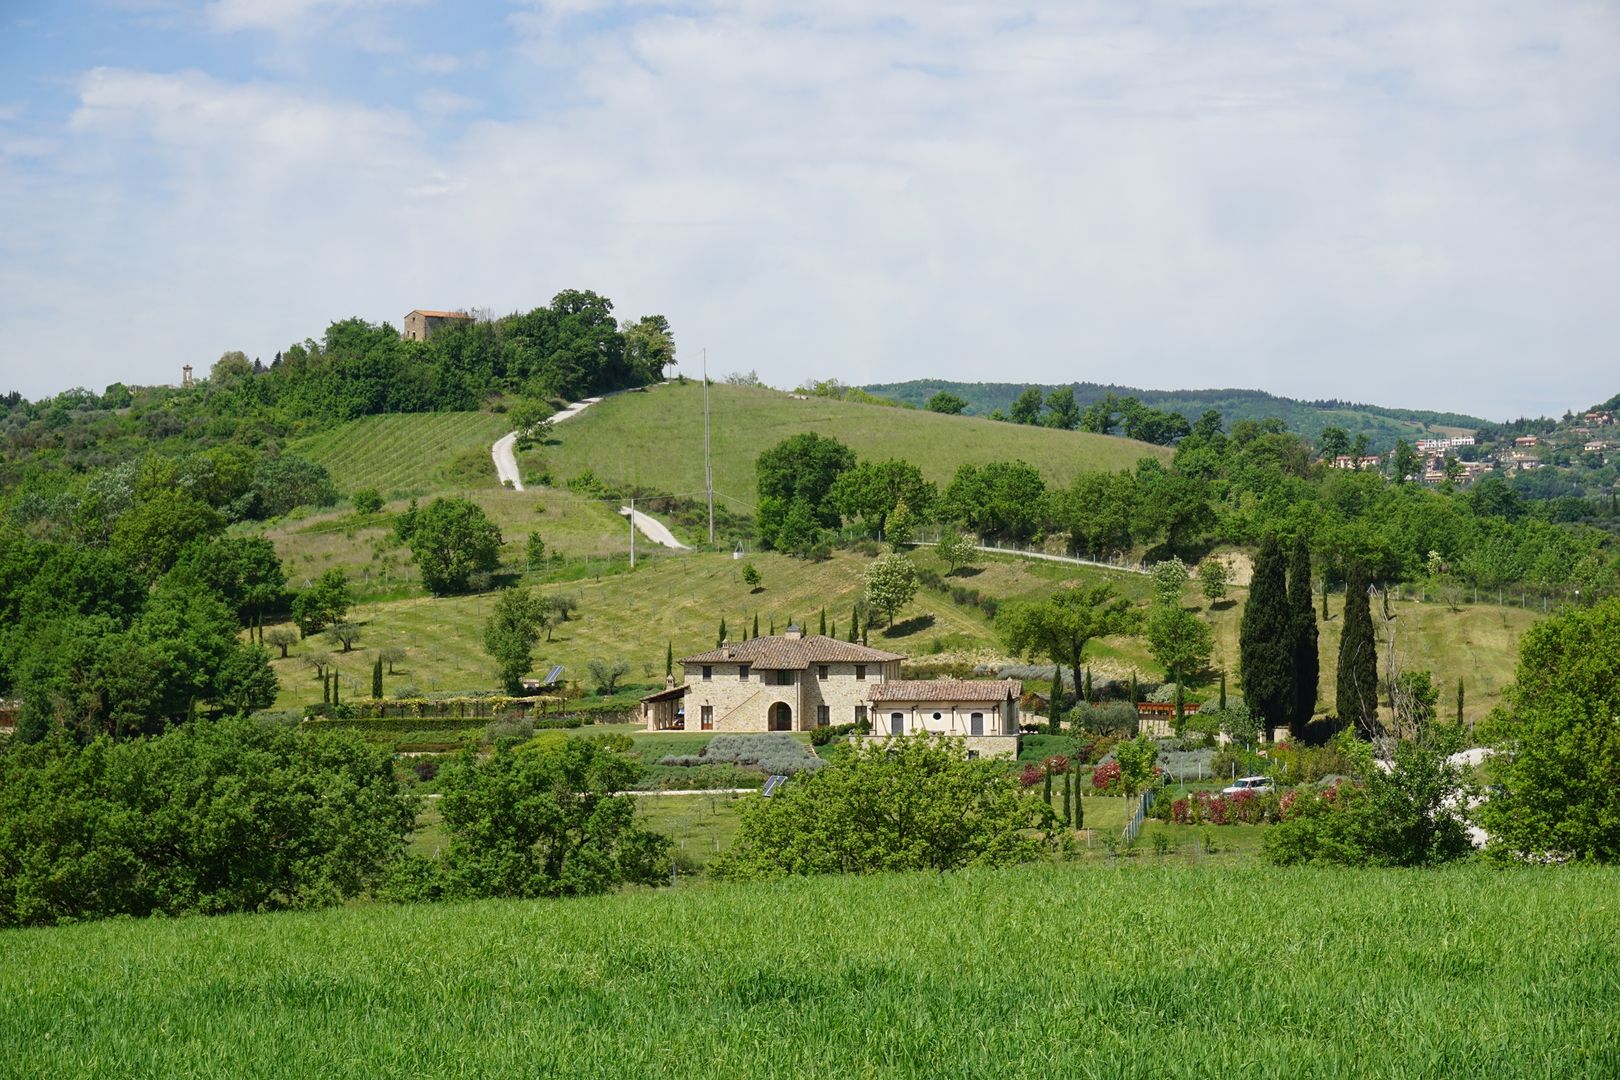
{"points": [[1413, 206], [441, 102], [286, 17]]}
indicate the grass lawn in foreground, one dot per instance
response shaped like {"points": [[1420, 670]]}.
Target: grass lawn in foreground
{"points": [[1090, 970]]}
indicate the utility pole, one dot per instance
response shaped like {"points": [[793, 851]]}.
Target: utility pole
{"points": [[708, 462], [632, 532]]}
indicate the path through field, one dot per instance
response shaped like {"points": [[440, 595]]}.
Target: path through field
{"points": [[506, 467]]}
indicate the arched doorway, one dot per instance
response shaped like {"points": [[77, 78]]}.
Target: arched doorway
{"points": [[781, 717]]}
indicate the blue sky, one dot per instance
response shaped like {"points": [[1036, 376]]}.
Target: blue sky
{"points": [[1380, 201]]}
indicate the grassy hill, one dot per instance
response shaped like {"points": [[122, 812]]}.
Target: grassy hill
{"points": [[655, 439], [680, 599], [1381, 425], [1047, 971], [408, 453]]}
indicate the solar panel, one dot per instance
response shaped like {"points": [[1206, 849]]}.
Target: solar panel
{"points": [[773, 782], [553, 675]]}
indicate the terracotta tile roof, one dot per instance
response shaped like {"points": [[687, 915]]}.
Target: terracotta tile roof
{"points": [[781, 653], [947, 690], [441, 314], [669, 693]]}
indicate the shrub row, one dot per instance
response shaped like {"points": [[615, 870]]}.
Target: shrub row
{"points": [[774, 753]]}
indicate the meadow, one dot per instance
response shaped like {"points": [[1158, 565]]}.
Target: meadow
{"points": [[1092, 969], [655, 439]]}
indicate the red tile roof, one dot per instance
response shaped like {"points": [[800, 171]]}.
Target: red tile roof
{"points": [[782, 653], [440, 314], [947, 690]]}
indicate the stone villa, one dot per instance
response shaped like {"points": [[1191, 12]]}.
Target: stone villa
{"points": [[421, 325], [794, 682]]}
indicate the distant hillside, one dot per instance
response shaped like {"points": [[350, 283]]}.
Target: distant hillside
{"points": [[1382, 426], [655, 439]]}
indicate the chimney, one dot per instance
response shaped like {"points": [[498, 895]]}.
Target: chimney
{"points": [[725, 651], [669, 682], [793, 633]]}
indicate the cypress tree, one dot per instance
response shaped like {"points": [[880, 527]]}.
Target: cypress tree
{"points": [[1088, 683], [376, 678], [756, 624], [1357, 697], [1079, 806], [1068, 797], [855, 625], [1459, 700], [823, 630], [1223, 691], [1048, 783], [833, 633], [1057, 697], [773, 626], [326, 688], [669, 659], [1265, 640], [334, 688], [1307, 662], [722, 636]]}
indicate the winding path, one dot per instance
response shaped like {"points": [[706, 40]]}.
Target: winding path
{"points": [[506, 468]]}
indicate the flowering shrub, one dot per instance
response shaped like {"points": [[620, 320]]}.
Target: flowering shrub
{"points": [[1032, 775], [1214, 808], [1105, 777], [1058, 763]]}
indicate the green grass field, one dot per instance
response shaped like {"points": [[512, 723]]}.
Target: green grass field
{"points": [[1133, 969], [408, 453], [655, 439]]}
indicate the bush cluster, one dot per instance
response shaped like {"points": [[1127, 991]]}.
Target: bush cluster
{"points": [[775, 753], [823, 736], [1214, 808]]}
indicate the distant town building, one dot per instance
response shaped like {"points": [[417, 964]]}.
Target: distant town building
{"points": [[1527, 440], [1345, 461], [421, 325], [185, 375], [1431, 446], [1599, 419]]}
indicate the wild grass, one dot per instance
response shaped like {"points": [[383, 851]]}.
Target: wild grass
{"points": [[408, 453], [1090, 970], [655, 439]]}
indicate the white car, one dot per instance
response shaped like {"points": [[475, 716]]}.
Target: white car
{"points": [[1248, 783]]}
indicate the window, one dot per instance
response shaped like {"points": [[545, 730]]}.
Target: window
{"points": [[821, 672], [897, 723], [860, 714], [976, 724], [860, 671], [708, 718], [742, 672], [708, 672], [784, 678], [823, 715], [937, 716]]}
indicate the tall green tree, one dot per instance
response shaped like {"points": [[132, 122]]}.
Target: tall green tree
{"points": [[891, 582], [1559, 737], [1061, 410], [946, 402], [510, 635], [1266, 639], [452, 540], [873, 491], [1182, 643], [1027, 408], [1060, 627], [325, 602], [1357, 695], [795, 482], [1306, 660]]}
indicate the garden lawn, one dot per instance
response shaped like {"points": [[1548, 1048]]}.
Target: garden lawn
{"points": [[1089, 970]]}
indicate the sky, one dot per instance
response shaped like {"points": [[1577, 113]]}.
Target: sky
{"points": [[1405, 204]]}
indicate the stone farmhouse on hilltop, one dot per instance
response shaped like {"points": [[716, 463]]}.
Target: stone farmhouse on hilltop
{"points": [[421, 325], [793, 682]]}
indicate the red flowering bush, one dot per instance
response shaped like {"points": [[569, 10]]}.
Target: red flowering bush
{"points": [[1058, 763], [1105, 777], [1032, 775]]}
